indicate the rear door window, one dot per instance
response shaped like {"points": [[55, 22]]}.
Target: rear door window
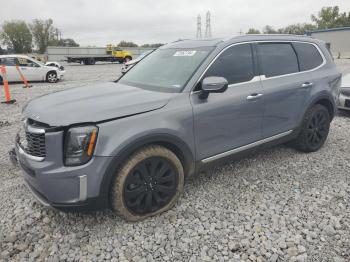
{"points": [[235, 64], [8, 61], [24, 62], [277, 59], [309, 56]]}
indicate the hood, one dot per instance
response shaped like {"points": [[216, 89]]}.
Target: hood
{"points": [[93, 104]]}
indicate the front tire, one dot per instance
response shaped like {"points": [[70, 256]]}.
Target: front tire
{"points": [[314, 129], [51, 77], [148, 183]]}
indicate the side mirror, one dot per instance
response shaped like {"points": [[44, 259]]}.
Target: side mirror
{"points": [[213, 84]]}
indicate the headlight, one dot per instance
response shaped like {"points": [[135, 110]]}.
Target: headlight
{"points": [[79, 145]]}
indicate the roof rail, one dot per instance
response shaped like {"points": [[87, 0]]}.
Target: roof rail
{"points": [[275, 35]]}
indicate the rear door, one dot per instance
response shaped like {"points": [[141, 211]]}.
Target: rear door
{"points": [[31, 70], [285, 88], [11, 72]]}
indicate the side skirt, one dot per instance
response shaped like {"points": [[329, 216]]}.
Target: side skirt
{"points": [[246, 147]]}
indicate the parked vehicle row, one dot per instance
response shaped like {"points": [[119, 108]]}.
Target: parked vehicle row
{"points": [[131, 144], [32, 69], [344, 96]]}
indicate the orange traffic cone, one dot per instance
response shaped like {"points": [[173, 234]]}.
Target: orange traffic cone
{"points": [[26, 85], [8, 99]]}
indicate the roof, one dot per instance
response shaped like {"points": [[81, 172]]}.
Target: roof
{"points": [[328, 30], [193, 43]]}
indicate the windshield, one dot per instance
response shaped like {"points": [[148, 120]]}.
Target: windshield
{"points": [[166, 70]]}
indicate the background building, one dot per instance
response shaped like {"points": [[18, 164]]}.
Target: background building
{"points": [[337, 38]]}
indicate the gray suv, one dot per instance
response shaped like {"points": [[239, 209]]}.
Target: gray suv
{"points": [[131, 144]]}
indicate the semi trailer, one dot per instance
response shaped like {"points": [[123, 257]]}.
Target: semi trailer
{"points": [[90, 55]]}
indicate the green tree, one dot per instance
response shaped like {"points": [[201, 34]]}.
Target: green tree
{"points": [[156, 45], [44, 33], [16, 35], [297, 29], [127, 44], [1, 51], [67, 42], [330, 17], [269, 30], [253, 31]]}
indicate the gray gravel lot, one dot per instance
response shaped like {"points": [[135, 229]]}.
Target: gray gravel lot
{"points": [[276, 205]]}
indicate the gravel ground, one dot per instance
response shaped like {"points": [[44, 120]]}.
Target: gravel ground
{"points": [[276, 205]]}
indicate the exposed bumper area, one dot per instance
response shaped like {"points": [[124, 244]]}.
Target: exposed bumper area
{"points": [[60, 75], [344, 99], [38, 197], [60, 186]]}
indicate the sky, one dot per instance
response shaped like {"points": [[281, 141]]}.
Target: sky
{"points": [[99, 22]]}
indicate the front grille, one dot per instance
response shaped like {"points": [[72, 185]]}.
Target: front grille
{"points": [[345, 91], [35, 144], [31, 141]]}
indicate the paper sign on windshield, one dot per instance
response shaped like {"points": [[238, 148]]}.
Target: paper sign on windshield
{"points": [[185, 53]]}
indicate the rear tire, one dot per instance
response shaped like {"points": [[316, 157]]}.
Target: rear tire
{"points": [[148, 183], [314, 129], [51, 77]]}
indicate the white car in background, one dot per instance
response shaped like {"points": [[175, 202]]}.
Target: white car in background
{"points": [[32, 69], [55, 64], [344, 96]]}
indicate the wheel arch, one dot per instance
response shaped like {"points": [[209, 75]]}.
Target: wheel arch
{"points": [[50, 71], [174, 144], [326, 102], [324, 99]]}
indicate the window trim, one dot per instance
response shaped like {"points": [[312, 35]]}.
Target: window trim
{"points": [[293, 45], [255, 53], [255, 67]]}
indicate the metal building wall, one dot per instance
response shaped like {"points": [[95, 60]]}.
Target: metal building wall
{"points": [[339, 40]]}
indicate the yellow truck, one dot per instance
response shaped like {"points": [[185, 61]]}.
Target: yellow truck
{"points": [[91, 55]]}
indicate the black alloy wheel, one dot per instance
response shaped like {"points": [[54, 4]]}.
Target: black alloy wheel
{"points": [[314, 129], [150, 185], [317, 130]]}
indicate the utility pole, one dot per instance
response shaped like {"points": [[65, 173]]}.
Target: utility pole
{"points": [[208, 26], [199, 27]]}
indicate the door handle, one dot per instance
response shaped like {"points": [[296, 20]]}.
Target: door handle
{"points": [[23, 68], [307, 85], [254, 96]]}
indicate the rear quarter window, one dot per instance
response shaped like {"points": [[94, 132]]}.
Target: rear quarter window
{"points": [[308, 55], [8, 61]]}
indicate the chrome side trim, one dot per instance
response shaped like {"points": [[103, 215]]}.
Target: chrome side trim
{"points": [[32, 129], [242, 148], [34, 158], [82, 188]]}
